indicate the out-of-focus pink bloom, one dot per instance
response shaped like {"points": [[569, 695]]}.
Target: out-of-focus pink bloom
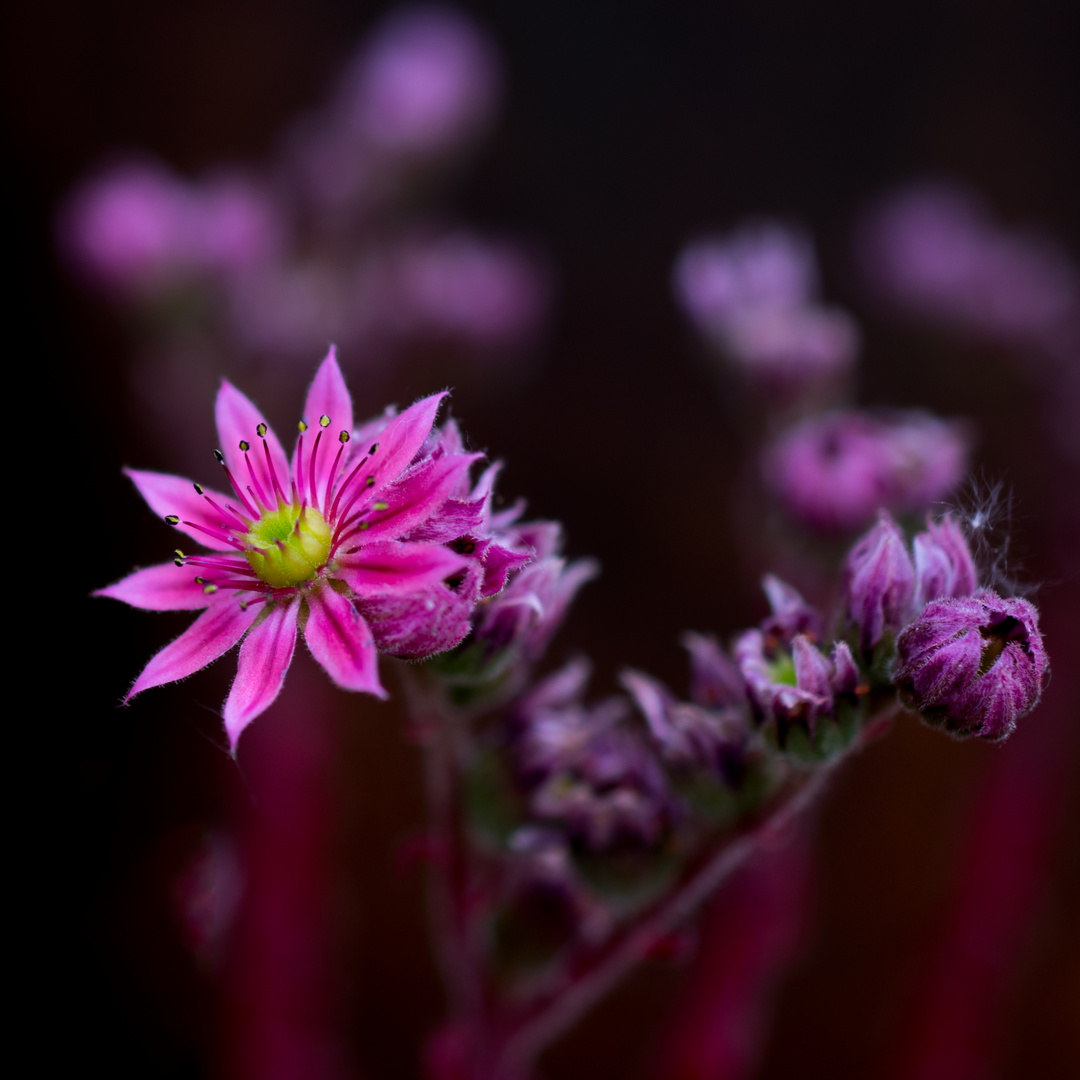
{"points": [[763, 266], [833, 472], [755, 295], [936, 250], [128, 228], [321, 536], [422, 87], [137, 229], [427, 80], [240, 226], [794, 347], [469, 289]]}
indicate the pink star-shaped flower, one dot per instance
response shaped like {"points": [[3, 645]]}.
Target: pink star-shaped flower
{"points": [[300, 544]]}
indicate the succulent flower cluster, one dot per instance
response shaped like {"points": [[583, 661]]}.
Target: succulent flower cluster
{"points": [[325, 240], [582, 822]]}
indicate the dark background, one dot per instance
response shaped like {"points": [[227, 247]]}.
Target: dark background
{"points": [[627, 127]]}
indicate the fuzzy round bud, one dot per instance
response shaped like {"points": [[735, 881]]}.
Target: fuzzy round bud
{"points": [[973, 665]]}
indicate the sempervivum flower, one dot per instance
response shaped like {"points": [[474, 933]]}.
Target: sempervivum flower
{"points": [[833, 472], [316, 543], [973, 665]]}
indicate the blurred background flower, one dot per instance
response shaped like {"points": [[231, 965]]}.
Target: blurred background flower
{"points": [[241, 182]]}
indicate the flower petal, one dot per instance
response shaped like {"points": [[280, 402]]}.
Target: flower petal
{"points": [[341, 642], [264, 658], [237, 421], [159, 588], [173, 495], [394, 568], [328, 396], [214, 632], [402, 438], [414, 499]]}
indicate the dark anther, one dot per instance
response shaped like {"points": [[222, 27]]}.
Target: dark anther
{"points": [[198, 489], [344, 437], [172, 519], [261, 431], [245, 445], [220, 457], [374, 447], [324, 421]]}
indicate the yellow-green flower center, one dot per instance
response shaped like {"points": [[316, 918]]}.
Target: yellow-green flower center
{"points": [[782, 670], [289, 545]]}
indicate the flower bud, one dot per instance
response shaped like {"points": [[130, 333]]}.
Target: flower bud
{"points": [[687, 735], [879, 582], [972, 665], [943, 563], [791, 614]]}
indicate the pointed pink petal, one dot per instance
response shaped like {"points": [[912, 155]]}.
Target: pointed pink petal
{"points": [[264, 658], [380, 569], [402, 438], [237, 420], [167, 587], [174, 495], [341, 642], [419, 495], [456, 517], [327, 396], [214, 632]]}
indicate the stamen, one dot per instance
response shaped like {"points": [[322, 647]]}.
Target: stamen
{"points": [[344, 487], [324, 421], [259, 494], [221, 537], [260, 430], [273, 472], [300, 463], [171, 519], [235, 486], [227, 512], [343, 438], [311, 467]]}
